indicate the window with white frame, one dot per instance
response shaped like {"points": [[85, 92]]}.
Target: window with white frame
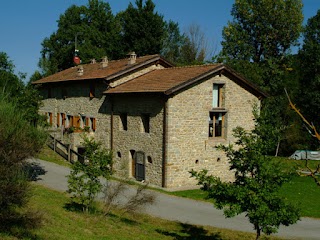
{"points": [[217, 116]]}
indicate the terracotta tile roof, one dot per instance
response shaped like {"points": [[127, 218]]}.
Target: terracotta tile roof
{"points": [[164, 80], [95, 71], [170, 80]]}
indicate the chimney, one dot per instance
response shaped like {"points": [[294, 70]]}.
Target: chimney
{"points": [[93, 61], [80, 71], [132, 58], [104, 62]]}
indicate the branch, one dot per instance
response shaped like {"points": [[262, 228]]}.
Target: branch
{"points": [[316, 135], [310, 125]]}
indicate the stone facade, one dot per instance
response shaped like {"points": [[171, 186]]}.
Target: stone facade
{"points": [[188, 144], [170, 133]]}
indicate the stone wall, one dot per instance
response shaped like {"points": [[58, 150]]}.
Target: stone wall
{"points": [[188, 143], [135, 139]]}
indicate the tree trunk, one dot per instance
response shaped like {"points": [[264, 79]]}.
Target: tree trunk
{"points": [[258, 232]]}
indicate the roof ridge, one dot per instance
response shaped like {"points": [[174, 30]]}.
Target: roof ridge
{"points": [[192, 66]]}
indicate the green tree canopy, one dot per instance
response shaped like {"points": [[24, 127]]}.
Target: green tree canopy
{"points": [[309, 57], [143, 29], [262, 29], [92, 28], [254, 191]]}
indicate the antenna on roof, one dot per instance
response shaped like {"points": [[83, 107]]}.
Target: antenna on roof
{"points": [[76, 58]]}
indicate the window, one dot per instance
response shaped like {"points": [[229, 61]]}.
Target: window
{"points": [[50, 118], [70, 121], [145, 118], [218, 112], [92, 90], [58, 120], [93, 124], [217, 96], [216, 124], [63, 119], [124, 121]]}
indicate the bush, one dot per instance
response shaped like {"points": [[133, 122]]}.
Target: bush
{"points": [[84, 180], [18, 141]]}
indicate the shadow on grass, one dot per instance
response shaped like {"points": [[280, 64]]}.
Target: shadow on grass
{"points": [[20, 225], [34, 170], [191, 232]]}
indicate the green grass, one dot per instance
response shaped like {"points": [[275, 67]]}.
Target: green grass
{"points": [[60, 223], [47, 154], [306, 193]]}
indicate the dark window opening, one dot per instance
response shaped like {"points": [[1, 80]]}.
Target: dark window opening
{"points": [[146, 123], [124, 121]]}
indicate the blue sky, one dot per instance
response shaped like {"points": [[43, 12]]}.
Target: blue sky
{"points": [[25, 23]]}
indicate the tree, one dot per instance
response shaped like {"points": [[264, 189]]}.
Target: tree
{"points": [[255, 189], [262, 29], [173, 42], [18, 141], [84, 180], [309, 96], [195, 48], [10, 84], [92, 29], [143, 29]]}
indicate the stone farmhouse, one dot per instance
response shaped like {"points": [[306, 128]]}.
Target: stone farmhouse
{"points": [[160, 121]]}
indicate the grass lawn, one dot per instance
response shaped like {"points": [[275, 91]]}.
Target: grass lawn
{"points": [[304, 191], [49, 155], [60, 223]]}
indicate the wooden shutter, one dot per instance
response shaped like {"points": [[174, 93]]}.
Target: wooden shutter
{"points": [[50, 119], [63, 120], [58, 119], [93, 124], [76, 121]]}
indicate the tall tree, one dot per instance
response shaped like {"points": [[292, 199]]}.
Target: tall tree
{"points": [[143, 29], [262, 29], [257, 44], [172, 42], [92, 29], [195, 48], [309, 58], [10, 84]]}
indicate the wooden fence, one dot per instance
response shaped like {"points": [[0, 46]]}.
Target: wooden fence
{"points": [[64, 150]]}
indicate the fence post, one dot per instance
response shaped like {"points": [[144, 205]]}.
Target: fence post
{"points": [[54, 142], [69, 153]]}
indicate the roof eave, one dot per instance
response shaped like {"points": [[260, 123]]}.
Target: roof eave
{"points": [[135, 67]]}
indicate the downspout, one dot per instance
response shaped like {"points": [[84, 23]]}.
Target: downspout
{"points": [[111, 124], [164, 142]]}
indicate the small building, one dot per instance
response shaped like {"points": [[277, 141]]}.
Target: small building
{"points": [[160, 121]]}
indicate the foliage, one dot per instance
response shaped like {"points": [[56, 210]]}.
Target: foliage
{"points": [[195, 48], [18, 141], [255, 190], [143, 29], [262, 29], [12, 89], [10, 84], [309, 59], [92, 28], [172, 42], [84, 180]]}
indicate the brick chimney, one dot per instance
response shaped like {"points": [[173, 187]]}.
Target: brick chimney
{"points": [[132, 58], [104, 62], [80, 71]]}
